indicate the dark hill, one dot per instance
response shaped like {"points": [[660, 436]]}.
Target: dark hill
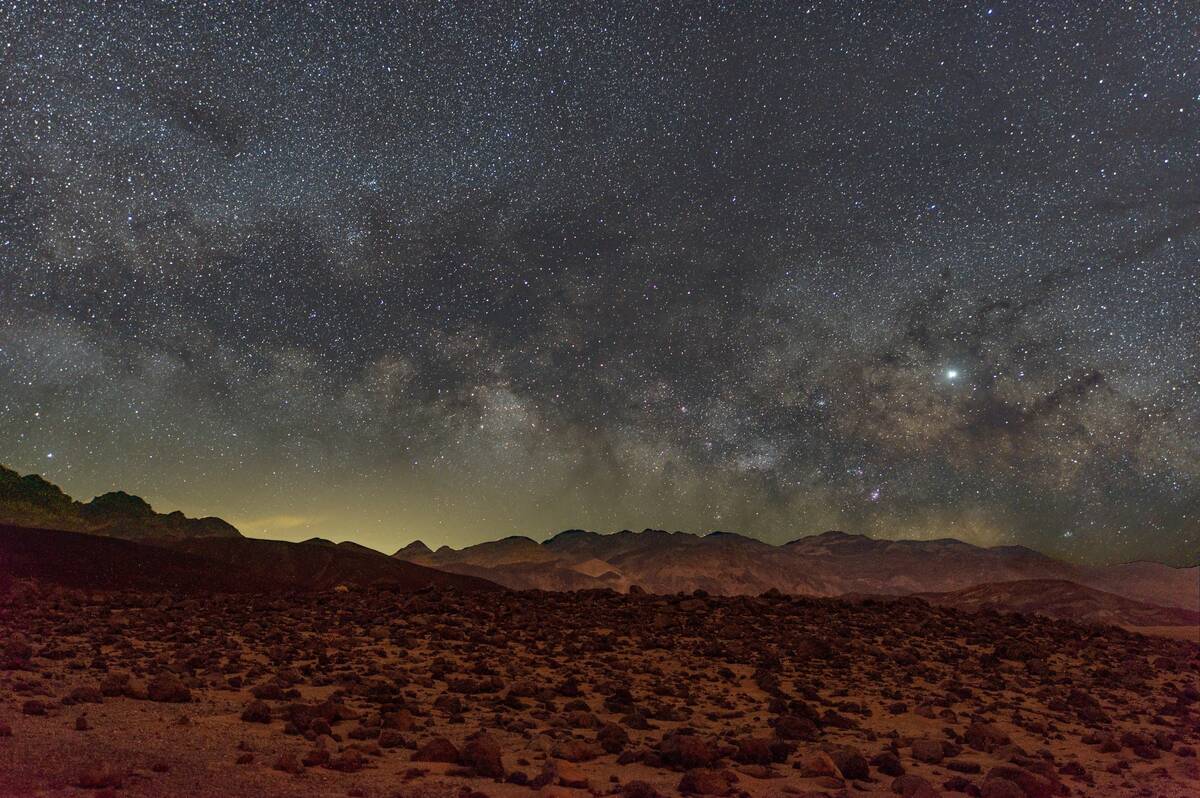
{"points": [[30, 501], [210, 565]]}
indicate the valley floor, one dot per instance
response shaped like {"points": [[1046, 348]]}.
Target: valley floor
{"points": [[441, 693]]}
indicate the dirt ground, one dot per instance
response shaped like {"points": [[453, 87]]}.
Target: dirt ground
{"points": [[439, 693]]}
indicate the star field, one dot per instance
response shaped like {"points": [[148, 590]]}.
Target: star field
{"points": [[453, 271]]}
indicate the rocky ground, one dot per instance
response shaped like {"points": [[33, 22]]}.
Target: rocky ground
{"points": [[377, 693]]}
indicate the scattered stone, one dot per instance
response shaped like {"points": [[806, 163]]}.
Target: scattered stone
{"points": [[167, 688], [986, 737], [962, 766], [819, 764], [84, 695], [482, 754], [639, 789], [888, 764], [577, 751], [794, 727], [927, 751], [688, 751], [257, 712], [704, 781], [913, 786], [590, 689], [351, 760], [100, 775], [852, 764], [288, 763], [1034, 785], [438, 749], [613, 738]]}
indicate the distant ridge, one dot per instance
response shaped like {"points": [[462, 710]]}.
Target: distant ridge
{"points": [[830, 563], [414, 549], [32, 501]]}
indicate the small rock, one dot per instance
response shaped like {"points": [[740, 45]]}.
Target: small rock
{"points": [[84, 695], [888, 764], [986, 737], [851, 763], [818, 764], [963, 766], [315, 757], [927, 751], [754, 751], [349, 761], [101, 775], [288, 763], [1000, 788], [167, 688], [257, 712], [688, 751], [481, 753], [913, 786], [612, 738], [704, 781], [32, 707], [1034, 785], [577, 751], [795, 727], [438, 749], [639, 789]]}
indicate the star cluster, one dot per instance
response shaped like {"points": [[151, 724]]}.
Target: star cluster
{"points": [[459, 270]]}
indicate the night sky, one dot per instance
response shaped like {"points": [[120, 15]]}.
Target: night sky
{"points": [[454, 272]]}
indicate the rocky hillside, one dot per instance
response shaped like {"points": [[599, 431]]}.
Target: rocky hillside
{"points": [[31, 501]]}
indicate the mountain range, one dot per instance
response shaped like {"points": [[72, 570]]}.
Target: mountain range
{"points": [[117, 540], [829, 564]]}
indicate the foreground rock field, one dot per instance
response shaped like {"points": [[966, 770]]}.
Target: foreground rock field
{"points": [[446, 693]]}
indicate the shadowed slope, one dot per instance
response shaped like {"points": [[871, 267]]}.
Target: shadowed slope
{"points": [[208, 565]]}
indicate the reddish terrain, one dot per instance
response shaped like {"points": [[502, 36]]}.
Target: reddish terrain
{"points": [[161, 660], [445, 692], [829, 564]]}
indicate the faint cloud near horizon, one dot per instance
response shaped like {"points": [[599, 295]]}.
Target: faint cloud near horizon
{"points": [[275, 524]]}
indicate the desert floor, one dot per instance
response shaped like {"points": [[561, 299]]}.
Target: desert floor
{"points": [[374, 693]]}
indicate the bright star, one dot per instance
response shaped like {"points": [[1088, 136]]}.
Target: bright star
{"points": [[951, 374]]}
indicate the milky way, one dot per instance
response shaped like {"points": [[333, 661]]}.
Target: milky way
{"points": [[455, 272]]}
